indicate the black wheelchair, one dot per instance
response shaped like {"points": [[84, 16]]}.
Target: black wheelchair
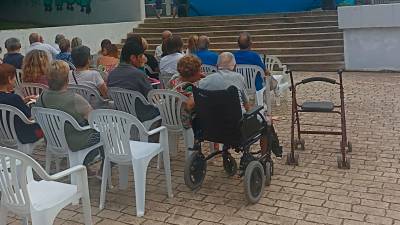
{"points": [[219, 119]]}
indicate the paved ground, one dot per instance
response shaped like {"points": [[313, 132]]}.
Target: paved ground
{"points": [[316, 192]]}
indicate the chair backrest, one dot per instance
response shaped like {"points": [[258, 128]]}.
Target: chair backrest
{"points": [[91, 94], [275, 66], [164, 79], [27, 89], [249, 73], [170, 104], [124, 100], [115, 129], [8, 135], [52, 122], [14, 179], [208, 69], [18, 78]]}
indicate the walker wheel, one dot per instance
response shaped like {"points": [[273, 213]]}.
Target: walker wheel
{"points": [[254, 182], [343, 164], [268, 173], [300, 142], [195, 170], [230, 165], [292, 159]]}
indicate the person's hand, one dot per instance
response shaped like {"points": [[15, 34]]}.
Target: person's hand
{"points": [[30, 97], [267, 73]]}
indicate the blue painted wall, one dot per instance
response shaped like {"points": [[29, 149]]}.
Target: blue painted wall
{"points": [[238, 7]]}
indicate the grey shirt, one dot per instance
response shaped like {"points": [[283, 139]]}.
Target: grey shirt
{"points": [[223, 79]]}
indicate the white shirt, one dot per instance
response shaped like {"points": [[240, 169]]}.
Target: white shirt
{"points": [[86, 77], [169, 63], [158, 53], [51, 51]]}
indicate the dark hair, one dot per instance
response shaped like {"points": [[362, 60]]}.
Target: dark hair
{"points": [[64, 45], [131, 48], [58, 38], [6, 72], [174, 44], [135, 37], [112, 50], [244, 40], [104, 43], [12, 44], [80, 56]]}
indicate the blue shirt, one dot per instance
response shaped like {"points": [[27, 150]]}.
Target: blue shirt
{"points": [[251, 58], [66, 56], [207, 57], [14, 59]]}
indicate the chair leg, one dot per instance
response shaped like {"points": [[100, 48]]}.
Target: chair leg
{"points": [[48, 161], [188, 137], [139, 174], [104, 180], [159, 160], [25, 220], [3, 215], [87, 210], [167, 170], [123, 176]]}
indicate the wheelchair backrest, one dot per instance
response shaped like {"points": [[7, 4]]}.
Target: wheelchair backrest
{"points": [[218, 115]]}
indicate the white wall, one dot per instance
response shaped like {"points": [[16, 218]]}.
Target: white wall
{"points": [[371, 36], [103, 11], [91, 35]]}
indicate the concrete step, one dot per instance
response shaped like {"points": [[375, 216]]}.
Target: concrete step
{"points": [[275, 44], [261, 38], [317, 66], [275, 31], [269, 15], [233, 27], [238, 21]]}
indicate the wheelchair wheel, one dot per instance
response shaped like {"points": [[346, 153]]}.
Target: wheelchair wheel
{"points": [[254, 182], [230, 165], [268, 173], [195, 170]]}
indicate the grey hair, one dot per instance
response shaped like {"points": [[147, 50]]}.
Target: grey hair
{"points": [[203, 42], [226, 60], [59, 37], [12, 44]]}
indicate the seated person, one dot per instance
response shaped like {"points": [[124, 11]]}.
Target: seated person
{"points": [[226, 77], [246, 56], [172, 54], [109, 61], [26, 133], [13, 56], [189, 73], [82, 75], [207, 57], [65, 52], [127, 76], [58, 97], [35, 67]]}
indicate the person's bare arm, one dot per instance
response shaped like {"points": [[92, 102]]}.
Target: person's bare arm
{"points": [[189, 104], [103, 90]]}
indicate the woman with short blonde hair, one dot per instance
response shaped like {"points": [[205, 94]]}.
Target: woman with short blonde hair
{"points": [[35, 67]]}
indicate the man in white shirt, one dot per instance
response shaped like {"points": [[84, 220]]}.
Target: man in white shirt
{"points": [[158, 53], [36, 42]]}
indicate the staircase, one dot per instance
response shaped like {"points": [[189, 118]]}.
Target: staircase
{"points": [[306, 41]]}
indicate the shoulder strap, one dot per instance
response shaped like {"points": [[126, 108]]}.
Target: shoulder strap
{"points": [[73, 75]]}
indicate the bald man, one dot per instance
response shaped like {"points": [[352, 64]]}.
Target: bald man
{"points": [[158, 53], [36, 42]]}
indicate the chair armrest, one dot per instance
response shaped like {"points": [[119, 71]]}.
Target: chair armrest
{"points": [[67, 172], [253, 111], [157, 130]]}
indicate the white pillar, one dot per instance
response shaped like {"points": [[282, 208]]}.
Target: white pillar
{"points": [[168, 7], [142, 9]]}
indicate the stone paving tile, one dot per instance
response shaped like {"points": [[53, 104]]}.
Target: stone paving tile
{"points": [[315, 192]]}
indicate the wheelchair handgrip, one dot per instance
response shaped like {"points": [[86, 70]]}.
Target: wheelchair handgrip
{"points": [[314, 79], [253, 111]]}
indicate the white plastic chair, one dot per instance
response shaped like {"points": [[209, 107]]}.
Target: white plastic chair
{"points": [[18, 78], [165, 78], [124, 100], [114, 127], [8, 135], [52, 122], [40, 200], [208, 69], [249, 72], [278, 71], [170, 104], [27, 89], [91, 94]]}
